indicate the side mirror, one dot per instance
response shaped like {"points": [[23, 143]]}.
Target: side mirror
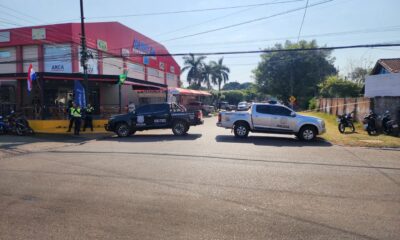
{"points": [[293, 114]]}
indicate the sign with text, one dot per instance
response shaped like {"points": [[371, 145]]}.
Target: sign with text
{"points": [[38, 33], [143, 48], [102, 45], [57, 58]]}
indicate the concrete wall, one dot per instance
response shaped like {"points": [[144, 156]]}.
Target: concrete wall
{"points": [[361, 106], [339, 106], [383, 85], [391, 104]]}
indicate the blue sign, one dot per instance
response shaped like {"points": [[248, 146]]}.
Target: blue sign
{"points": [[79, 92], [145, 60], [143, 47]]}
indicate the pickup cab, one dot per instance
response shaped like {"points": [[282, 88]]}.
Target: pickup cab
{"points": [[154, 116], [271, 118]]}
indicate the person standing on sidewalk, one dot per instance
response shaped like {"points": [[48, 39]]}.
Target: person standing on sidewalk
{"points": [[88, 117], [71, 105], [77, 116]]}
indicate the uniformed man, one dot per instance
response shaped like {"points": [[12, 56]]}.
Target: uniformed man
{"points": [[76, 113], [88, 117], [71, 105]]}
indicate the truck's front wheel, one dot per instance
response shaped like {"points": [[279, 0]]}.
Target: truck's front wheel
{"points": [[180, 128], [241, 130], [307, 133], [122, 130]]}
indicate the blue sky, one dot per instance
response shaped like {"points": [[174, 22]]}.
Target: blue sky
{"points": [[380, 18]]}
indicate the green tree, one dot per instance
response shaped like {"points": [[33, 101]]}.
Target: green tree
{"points": [[219, 73], [195, 67], [233, 96], [335, 86], [206, 75], [231, 86], [285, 73], [359, 74]]}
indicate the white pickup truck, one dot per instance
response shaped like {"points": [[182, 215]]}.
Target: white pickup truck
{"points": [[271, 118]]}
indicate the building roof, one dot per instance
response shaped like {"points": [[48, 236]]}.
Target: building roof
{"points": [[391, 65]]}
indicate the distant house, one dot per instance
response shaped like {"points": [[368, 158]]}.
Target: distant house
{"points": [[384, 80]]}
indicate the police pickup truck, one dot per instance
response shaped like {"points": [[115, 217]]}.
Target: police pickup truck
{"points": [[271, 118], [154, 116]]}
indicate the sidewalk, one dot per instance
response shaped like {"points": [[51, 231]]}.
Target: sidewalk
{"points": [[61, 126]]}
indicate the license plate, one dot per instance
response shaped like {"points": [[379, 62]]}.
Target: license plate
{"points": [[395, 126], [365, 126]]}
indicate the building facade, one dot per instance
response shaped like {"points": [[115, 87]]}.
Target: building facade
{"points": [[55, 52]]}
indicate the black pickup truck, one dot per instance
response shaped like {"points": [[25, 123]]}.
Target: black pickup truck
{"points": [[154, 116]]}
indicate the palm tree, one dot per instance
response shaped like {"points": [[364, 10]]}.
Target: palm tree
{"points": [[207, 73], [219, 74], [195, 69]]}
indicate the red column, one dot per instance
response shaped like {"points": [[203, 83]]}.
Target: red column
{"points": [[19, 65], [75, 58]]}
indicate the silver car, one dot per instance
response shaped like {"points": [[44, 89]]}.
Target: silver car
{"points": [[271, 118]]}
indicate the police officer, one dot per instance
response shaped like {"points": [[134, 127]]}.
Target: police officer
{"points": [[76, 113], [88, 117], [70, 106]]}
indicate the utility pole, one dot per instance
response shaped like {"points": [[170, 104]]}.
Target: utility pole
{"points": [[84, 55]]}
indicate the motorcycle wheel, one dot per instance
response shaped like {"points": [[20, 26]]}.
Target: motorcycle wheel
{"points": [[353, 129], [371, 132], [341, 128], [19, 131]]}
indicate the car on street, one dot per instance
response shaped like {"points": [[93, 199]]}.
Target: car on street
{"points": [[155, 116], [196, 105], [243, 106], [226, 106], [271, 118]]}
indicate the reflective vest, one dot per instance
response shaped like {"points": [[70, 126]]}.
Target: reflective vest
{"points": [[76, 112]]}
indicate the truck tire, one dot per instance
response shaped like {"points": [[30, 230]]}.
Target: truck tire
{"points": [[180, 128], [307, 133], [241, 130], [122, 130]]}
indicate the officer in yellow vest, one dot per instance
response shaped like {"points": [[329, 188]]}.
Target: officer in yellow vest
{"points": [[88, 117], [76, 114]]}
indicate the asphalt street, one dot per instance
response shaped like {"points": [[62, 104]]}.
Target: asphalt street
{"points": [[206, 185]]}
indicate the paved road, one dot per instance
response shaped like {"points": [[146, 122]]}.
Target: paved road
{"points": [[207, 185]]}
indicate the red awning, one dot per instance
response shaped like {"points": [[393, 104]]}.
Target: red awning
{"points": [[183, 91]]}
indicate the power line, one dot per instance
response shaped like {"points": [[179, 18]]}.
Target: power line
{"points": [[366, 31], [193, 10], [380, 45], [247, 22], [278, 50], [302, 21]]}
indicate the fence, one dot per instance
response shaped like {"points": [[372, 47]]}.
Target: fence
{"points": [[360, 106]]}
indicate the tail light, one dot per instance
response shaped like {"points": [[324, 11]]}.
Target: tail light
{"points": [[219, 117], [199, 114]]}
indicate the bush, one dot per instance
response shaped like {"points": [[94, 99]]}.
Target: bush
{"points": [[234, 96], [312, 104]]}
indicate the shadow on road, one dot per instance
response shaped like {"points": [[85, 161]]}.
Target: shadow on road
{"points": [[152, 138], [8, 142], [275, 141]]}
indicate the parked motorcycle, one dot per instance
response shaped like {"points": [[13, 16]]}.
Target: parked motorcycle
{"points": [[389, 126], [370, 123], [346, 121], [15, 124]]}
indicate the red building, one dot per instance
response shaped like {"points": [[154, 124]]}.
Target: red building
{"points": [[54, 52]]}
